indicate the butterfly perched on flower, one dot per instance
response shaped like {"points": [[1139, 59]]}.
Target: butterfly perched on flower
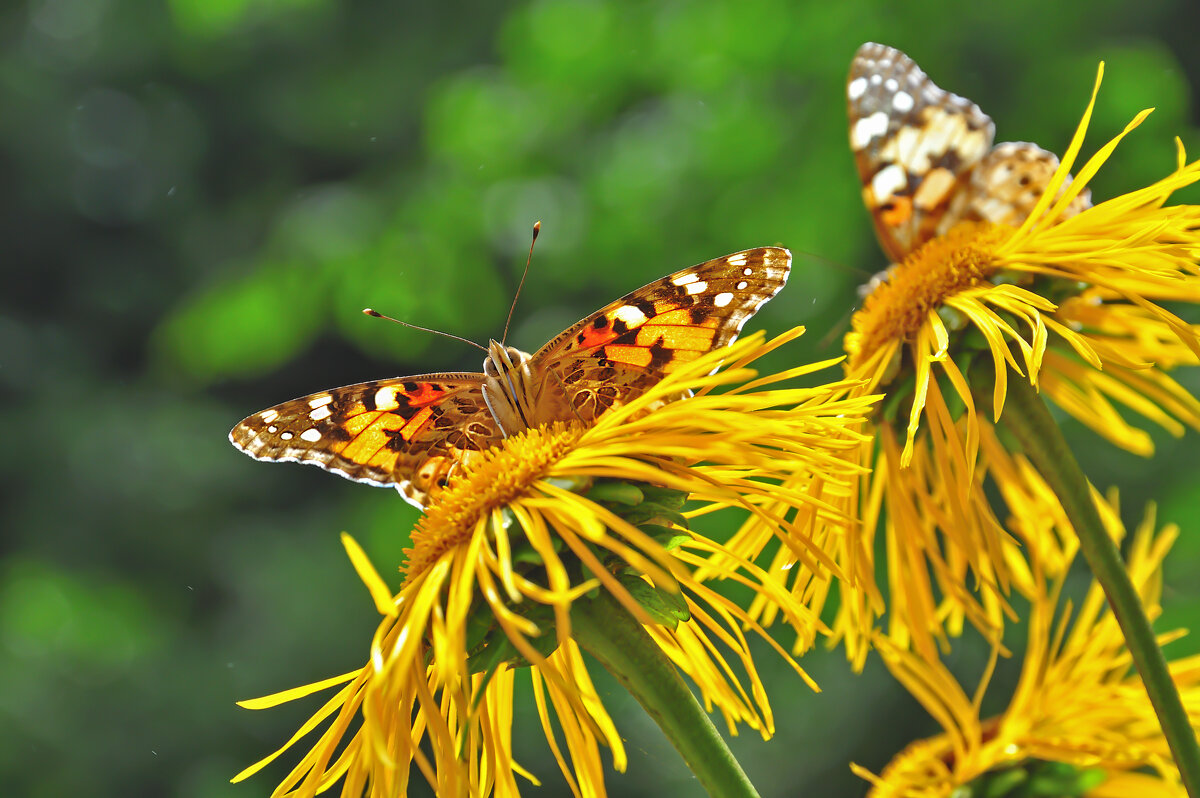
{"points": [[412, 432], [925, 156]]}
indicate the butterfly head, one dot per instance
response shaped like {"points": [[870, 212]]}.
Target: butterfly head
{"points": [[509, 387]]}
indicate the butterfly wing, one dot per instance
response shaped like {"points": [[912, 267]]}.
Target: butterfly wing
{"points": [[914, 145], [406, 432], [1008, 182], [621, 350]]}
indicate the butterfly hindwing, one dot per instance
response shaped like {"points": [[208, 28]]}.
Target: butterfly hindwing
{"points": [[1007, 184], [406, 432]]}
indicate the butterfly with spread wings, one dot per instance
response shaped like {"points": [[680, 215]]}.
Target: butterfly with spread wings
{"points": [[412, 432]]}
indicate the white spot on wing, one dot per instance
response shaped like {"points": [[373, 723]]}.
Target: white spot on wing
{"points": [[747, 271], [902, 101], [855, 88], [868, 128], [272, 429], [269, 415], [742, 285], [287, 436], [697, 287], [320, 414], [684, 279], [320, 401], [722, 299], [736, 259], [385, 399], [631, 315], [888, 181], [311, 435]]}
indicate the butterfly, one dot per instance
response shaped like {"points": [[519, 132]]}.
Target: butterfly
{"points": [[411, 433], [925, 156]]}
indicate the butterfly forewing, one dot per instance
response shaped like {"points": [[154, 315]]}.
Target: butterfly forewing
{"points": [[913, 143], [623, 349], [406, 432]]}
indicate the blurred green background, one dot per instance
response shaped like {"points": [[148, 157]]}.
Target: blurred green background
{"points": [[200, 196]]}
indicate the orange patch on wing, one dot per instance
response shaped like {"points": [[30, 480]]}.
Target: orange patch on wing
{"points": [[593, 337], [679, 357], [426, 394], [415, 423], [361, 420], [384, 459], [630, 355], [673, 316], [900, 212], [372, 438], [699, 338]]}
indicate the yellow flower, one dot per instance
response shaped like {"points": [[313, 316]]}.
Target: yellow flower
{"points": [[1077, 711], [1072, 304], [519, 541]]}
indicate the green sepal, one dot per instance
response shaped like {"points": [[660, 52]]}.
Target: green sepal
{"points": [[523, 553], [663, 607], [640, 503], [953, 318], [579, 485], [668, 498], [616, 491], [650, 514], [666, 536], [495, 649]]}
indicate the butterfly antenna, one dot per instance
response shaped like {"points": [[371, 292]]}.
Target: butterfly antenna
{"points": [[836, 264], [839, 327], [537, 227], [378, 315]]}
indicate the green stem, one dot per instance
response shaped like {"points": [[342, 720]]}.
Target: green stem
{"points": [[1028, 419], [608, 632]]}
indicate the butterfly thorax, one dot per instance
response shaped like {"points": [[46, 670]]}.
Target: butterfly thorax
{"points": [[517, 397]]}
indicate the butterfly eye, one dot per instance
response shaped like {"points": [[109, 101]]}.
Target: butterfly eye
{"points": [[512, 359]]}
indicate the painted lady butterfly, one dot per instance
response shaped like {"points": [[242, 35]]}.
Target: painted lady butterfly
{"points": [[925, 156], [411, 432]]}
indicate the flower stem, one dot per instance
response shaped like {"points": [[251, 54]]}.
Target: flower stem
{"points": [[1028, 419], [608, 632]]}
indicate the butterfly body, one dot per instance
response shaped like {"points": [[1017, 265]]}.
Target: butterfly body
{"points": [[925, 156], [413, 432]]}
